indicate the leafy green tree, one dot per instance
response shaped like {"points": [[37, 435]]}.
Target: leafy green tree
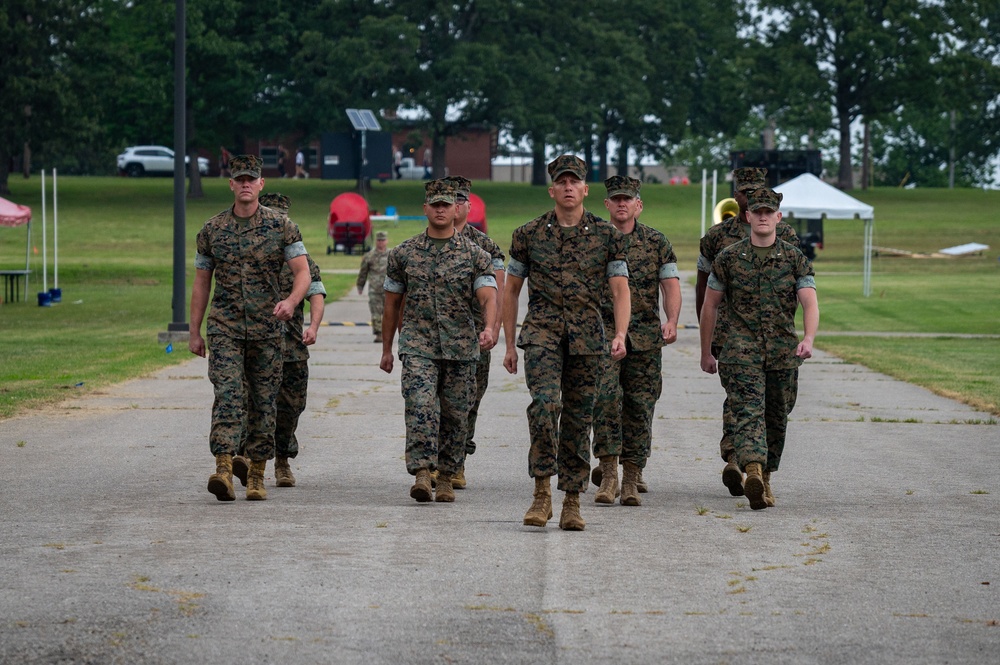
{"points": [[642, 72], [549, 80], [36, 94], [456, 79], [952, 136], [872, 55]]}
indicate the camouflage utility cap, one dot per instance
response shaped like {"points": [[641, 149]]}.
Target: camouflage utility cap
{"points": [[463, 186], [623, 185], [245, 165], [749, 178], [381, 235], [439, 190], [567, 164], [763, 198], [275, 200]]}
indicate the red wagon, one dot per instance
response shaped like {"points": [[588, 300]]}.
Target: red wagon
{"points": [[350, 224]]}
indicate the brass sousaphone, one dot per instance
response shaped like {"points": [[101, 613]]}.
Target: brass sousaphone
{"points": [[725, 209]]}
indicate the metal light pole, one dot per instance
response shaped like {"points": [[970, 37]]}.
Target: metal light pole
{"points": [[178, 329]]}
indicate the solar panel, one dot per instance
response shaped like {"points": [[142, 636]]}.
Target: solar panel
{"points": [[363, 119]]}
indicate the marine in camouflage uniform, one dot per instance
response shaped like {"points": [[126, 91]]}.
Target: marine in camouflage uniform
{"points": [[566, 255], [629, 388], [373, 265], [295, 366], [244, 248], [720, 236], [440, 273], [762, 279], [463, 188]]}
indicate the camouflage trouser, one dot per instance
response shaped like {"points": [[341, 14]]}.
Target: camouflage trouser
{"points": [[291, 404], [376, 305], [437, 396], [482, 381], [563, 388], [246, 375], [623, 412], [726, 442], [761, 401]]}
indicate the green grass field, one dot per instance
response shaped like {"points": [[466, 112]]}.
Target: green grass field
{"points": [[115, 271]]}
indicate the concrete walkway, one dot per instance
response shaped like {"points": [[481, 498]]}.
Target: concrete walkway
{"points": [[882, 548]]}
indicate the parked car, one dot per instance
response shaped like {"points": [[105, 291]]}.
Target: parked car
{"points": [[140, 160], [408, 169]]}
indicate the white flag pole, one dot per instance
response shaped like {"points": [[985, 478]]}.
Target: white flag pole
{"points": [[55, 231], [45, 265], [704, 191]]}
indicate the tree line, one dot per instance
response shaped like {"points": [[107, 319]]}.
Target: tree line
{"points": [[906, 89]]}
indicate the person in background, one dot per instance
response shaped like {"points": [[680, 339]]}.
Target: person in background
{"points": [[300, 164], [225, 157], [282, 156], [373, 266]]}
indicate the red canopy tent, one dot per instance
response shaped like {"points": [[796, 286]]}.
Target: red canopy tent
{"points": [[13, 214], [477, 213]]}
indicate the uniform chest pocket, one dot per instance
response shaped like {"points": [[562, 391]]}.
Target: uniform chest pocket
{"points": [[263, 246], [419, 272], [643, 270], [456, 276], [781, 279], [590, 254]]}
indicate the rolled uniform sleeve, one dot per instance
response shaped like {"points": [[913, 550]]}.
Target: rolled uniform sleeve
{"points": [[617, 269], [517, 269], [295, 249], [395, 273], [484, 280], [202, 262]]}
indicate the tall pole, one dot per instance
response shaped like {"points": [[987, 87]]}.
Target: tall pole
{"points": [[704, 193], [179, 323]]}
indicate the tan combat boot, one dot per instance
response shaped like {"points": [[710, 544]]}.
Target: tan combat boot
{"points": [[569, 519], [444, 492], [541, 508], [597, 475], [255, 481], [458, 480], [768, 497], [640, 484], [240, 467], [630, 493], [732, 477], [754, 486], [609, 480], [421, 490], [283, 473], [220, 483]]}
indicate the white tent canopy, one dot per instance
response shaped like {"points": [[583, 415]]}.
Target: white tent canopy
{"points": [[808, 197]]}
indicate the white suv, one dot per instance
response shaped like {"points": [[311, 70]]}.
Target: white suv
{"points": [[138, 160]]}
